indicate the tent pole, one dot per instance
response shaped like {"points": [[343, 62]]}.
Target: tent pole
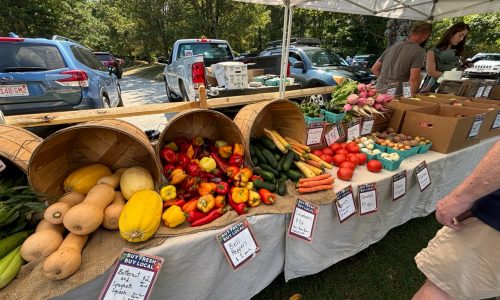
{"points": [[285, 57], [283, 48]]}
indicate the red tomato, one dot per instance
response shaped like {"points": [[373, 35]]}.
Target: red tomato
{"points": [[328, 151], [362, 158], [345, 174], [338, 159], [352, 147], [327, 158], [343, 145], [348, 164], [354, 159], [342, 151], [335, 147], [317, 152], [374, 166]]}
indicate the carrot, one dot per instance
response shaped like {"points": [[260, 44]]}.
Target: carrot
{"points": [[297, 143], [315, 178], [298, 149], [298, 153], [316, 183], [315, 188], [316, 164], [316, 158]]}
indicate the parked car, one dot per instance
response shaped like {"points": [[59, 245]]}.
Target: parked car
{"points": [[365, 61], [111, 62], [42, 75], [484, 65]]}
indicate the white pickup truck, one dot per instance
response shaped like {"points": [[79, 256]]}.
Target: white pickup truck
{"points": [[185, 69]]}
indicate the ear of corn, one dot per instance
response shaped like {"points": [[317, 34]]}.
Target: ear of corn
{"points": [[9, 266]]}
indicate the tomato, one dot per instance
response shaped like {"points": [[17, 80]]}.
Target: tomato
{"points": [[354, 159], [352, 147], [342, 151], [374, 166], [362, 158], [327, 158], [348, 164], [345, 174], [328, 151], [338, 159], [317, 152], [335, 147]]}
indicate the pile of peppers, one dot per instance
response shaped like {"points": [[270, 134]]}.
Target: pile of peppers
{"points": [[206, 179]]}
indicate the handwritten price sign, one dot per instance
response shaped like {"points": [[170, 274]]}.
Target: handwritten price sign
{"points": [[303, 220], [367, 196], [315, 133], [345, 204], [399, 185], [238, 243], [422, 175]]}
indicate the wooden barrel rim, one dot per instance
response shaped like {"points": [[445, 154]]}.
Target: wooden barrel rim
{"points": [[13, 156]]}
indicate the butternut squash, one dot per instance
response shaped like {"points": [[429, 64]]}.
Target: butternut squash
{"points": [[54, 214], [83, 179], [87, 216], [141, 216], [67, 259], [135, 179], [113, 211], [46, 239], [113, 180]]}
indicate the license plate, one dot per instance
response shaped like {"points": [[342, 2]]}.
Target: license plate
{"points": [[14, 90]]}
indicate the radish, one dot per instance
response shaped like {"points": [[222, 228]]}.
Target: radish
{"points": [[361, 87], [347, 107], [363, 94], [370, 101], [361, 101], [352, 99], [372, 92], [380, 98]]}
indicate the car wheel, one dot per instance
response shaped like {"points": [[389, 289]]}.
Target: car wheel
{"points": [[184, 95], [119, 74], [170, 96], [120, 100], [105, 102]]}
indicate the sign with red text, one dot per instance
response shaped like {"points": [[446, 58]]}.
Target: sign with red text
{"points": [[303, 220]]}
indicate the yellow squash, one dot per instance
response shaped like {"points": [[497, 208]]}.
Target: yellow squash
{"points": [[141, 216], [135, 179], [83, 179]]}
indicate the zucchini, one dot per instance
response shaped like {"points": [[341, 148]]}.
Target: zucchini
{"points": [[280, 163], [259, 184], [252, 149], [293, 174], [266, 175], [258, 154], [281, 187], [283, 175], [255, 160], [267, 142], [287, 163], [277, 156], [295, 155], [269, 158], [270, 169]]}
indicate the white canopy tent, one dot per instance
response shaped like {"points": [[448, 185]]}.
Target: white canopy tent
{"points": [[430, 10]]}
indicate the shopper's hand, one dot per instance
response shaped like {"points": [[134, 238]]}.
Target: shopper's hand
{"points": [[448, 209]]}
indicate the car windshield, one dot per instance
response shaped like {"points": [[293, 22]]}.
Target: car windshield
{"points": [[104, 56], [17, 57], [212, 52], [324, 58]]}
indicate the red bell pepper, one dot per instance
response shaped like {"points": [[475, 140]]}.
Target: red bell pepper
{"points": [[212, 215], [222, 188], [168, 155], [217, 172], [167, 169], [193, 168], [195, 215], [240, 208], [221, 164], [183, 144], [232, 171], [183, 159], [266, 196], [236, 160]]}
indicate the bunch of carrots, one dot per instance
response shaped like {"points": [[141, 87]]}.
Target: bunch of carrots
{"points": [[314, 184], [311, 165]]}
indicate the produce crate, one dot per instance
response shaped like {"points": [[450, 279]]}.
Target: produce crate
{"points": [[424, 148], [371, 156], [380, 147], [310, 120], [404, 153], [332, 117], [390, 165]]}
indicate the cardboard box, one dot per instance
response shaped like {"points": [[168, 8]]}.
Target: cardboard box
{"points": [[209, 74], [492, 111], [440, 124], [446, 96], [495, 92], [254, 73], [400, 108]]}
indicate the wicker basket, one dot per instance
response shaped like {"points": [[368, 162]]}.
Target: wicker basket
{"points": [[115, 143], [17, 145], [281, 115], [205, 123]]}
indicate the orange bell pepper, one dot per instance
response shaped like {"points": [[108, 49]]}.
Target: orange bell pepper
{"points": [[206, 188], [232, 171], [220, 201], [239, 195], [225, 151], [190, 205], [238, 149]]}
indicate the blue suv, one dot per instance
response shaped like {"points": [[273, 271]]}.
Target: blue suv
{"points": [[43, 75]]}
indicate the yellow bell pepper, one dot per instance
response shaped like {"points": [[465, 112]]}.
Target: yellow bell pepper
{"points": [[168, 192], [225, 151], [238, 149], [253, 199], [249, 186], [207, 164], [173, 216], [239, 195], [206, 203]]}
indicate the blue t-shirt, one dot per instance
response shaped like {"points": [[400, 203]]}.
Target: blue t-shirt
{"points": [[487, 209]]}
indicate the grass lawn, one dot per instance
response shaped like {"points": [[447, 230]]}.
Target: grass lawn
{"points": [[145, 70], [385, 270]]}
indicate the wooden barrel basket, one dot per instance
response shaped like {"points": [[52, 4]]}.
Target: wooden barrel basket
{"points": [[281, 115], [205, 123], [115, 143], [17, 145]]}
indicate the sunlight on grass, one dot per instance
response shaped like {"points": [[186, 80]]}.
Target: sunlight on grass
{"points": [[145, 70]]}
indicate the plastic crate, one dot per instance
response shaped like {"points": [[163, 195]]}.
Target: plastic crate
{"points": [[424, 148], [332, 117], [379, 147], [390, 165], [404, 153], [310, 120], [231, 75], [371, 156]]}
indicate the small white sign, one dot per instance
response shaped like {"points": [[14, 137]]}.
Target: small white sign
{"points": [[345, 204], [315, 133], [479, 92], [238, 244], [476, 126], [496, 124], [303, 220], [353, 130], [188, 53], [422, 175], [332, 136], [487, 91], [367, 125], [391, 91], [2, 166], [367, 195], [406, 90], [399, 185]]}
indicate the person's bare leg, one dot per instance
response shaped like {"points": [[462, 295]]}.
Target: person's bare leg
{"points": [[430, 291]]}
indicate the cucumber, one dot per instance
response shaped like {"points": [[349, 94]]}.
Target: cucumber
{"points": [[270, 169], [267, 142], [295, 155], [277, 156], [280, 163], [11, 242], [293, 174], [269, 158], [255, 160], [259, 184], [281, 187], [252, 149], [258, 154], [266, 175], [287, 163]]}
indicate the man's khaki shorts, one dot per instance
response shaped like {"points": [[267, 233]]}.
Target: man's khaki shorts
{"points": [[464, 263]]}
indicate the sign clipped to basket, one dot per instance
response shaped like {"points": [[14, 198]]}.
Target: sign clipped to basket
{"points": [[133, 276], [398, 185], [476, 126], [2, 166], [238, 244], [367, 196], [496, 124], [353, 129], [303, 220], [479, 92], [315, 133], [334, 134], [487, 90], [406, 90], [391, 88], [345, 203], [367, 125], [422, 175]]}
